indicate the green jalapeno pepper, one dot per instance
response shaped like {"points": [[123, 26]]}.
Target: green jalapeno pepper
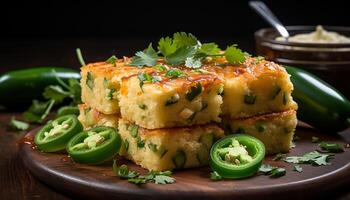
{"points": [[24, 85], [320, 105], [55, 135], [237, 156], [94, 145]]}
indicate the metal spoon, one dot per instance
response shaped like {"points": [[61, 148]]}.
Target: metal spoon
{"points": [[266, 13]]}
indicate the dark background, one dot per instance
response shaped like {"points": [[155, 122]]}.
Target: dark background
{"points": [[47, 33]]}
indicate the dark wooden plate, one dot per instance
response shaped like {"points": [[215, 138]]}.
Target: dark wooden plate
{"points": [[85, 181]]}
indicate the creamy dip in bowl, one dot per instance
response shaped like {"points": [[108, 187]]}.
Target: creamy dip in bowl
{"points": [[324, 52]]}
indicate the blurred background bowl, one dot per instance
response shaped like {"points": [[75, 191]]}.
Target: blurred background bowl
{"points": [[331, 62]]}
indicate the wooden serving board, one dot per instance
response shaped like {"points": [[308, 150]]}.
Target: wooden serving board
{"points": [[92, 182]]}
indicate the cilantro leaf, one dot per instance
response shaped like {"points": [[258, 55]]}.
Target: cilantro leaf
{"points": [[166, 46], [18, 125], [314, 158], [38, 111], [208, 49], [146, 57], [56, 93], [234, 55], [265, 168], [182, 39], [273, 172], [174, 72], [192, 62], [145, 77], [162, 179], [331, 147], [180, 55], [297, 168], [123, 171], [215, 176], [277, 172]]}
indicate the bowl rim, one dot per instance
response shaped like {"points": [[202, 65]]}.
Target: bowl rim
{"points": [[260, 35]]}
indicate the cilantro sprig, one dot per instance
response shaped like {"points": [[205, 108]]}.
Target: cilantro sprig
{"points": [[185, 49], [134, 177]]}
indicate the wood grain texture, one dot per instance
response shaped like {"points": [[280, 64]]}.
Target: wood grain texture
{"points": [[96, 182]]}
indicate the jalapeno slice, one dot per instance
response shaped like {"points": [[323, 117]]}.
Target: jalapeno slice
{"points": [[237, 156], [55, 135], [94, 145]]}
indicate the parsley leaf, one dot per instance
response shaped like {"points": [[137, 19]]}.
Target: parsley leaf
{"points": [[123, 171], [160, 67], [166, 46], [331, 147], [18, 125], [297, 168], [234, 55], [215, 176], [146, 57]]}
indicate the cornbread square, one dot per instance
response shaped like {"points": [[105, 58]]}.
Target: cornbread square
{"points": [[255, 87], [275, 130], [171, 102], [90, 117], [168, 149], [100, 84]]}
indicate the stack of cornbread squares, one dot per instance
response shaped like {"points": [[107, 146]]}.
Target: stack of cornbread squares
{"points": [[171, 121]]}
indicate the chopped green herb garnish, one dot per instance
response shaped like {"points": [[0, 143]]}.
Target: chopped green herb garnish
{"points": [[134, 130], [313, 158], [18, 125], [140, 142], [110, 93], [174, 99], [185, 49], [279, 156], [331, 147], [215, 176], [249, 98], [174, 72], [273, 172], [275, 92], [147, 57], [285, 98], [234, 55], [90, 80], [145, 77], [297, 168], [134, 177], [38, 111], [194, 91], [160, 67], [112, 60], [142, 106], [56, 93]]}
